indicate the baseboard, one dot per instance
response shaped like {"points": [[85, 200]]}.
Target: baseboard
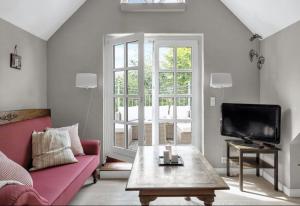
{"points": [[289, 192]]}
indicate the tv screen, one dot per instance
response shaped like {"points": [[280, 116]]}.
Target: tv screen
{"points": [[251, 121]]}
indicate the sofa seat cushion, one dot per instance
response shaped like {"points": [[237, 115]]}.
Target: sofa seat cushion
{"points": [[51, 183]]}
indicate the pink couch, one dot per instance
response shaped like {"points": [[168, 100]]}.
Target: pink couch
{"points": [[51, 186]]}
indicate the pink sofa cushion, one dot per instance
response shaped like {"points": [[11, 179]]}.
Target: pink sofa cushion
{"points": [[51, 183], [15, 139], [21, 195]]}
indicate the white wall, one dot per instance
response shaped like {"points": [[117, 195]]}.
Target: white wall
{"points": [[280, 83], [77, 47], [25, 88]]}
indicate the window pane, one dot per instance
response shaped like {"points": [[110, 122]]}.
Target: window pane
{"points": [[184, 58], [120, 135], [184, 82], [148, 79], [184, 133], [133, 110], [166, 106], [183, 107], [133, 131], [119, 54], [132, 54], [119, 82], [155, 1], [166, 83], [166, 58], [119, 109], [133, 83], [166, 133], [148, 133]]}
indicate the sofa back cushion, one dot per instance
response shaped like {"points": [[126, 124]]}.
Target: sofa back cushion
{"points": [[15, 139]]}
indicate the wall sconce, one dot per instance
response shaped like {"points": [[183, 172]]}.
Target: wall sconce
{"points": [[260, 59]]}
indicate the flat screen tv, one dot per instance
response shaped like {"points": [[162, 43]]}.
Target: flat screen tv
{"points": [[251, 122]]}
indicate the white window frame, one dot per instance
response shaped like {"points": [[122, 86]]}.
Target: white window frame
{"points": [[153, 7]]}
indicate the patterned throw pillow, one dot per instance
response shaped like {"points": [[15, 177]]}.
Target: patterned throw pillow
{"points": [[75, 140], [51, 148], [11, 171]]}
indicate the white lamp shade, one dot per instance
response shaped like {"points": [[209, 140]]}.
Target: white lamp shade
{"points": [[86, 80], [220, 80]]}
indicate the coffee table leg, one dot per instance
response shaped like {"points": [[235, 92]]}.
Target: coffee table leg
{"points": [[145, 200], [241, 171], [208, 200]]}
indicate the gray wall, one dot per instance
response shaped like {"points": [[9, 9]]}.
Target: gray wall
{"points": [[25, 88], [280, 83], [77, 47]]}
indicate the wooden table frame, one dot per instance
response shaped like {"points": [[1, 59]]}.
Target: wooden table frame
{"points": [[251, 162], [197, 178], [147, 196]]}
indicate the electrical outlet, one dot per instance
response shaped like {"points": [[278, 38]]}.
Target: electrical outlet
{"points": [[212, 101], [223, 160]]}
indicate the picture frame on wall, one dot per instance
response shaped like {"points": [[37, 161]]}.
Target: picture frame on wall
{"points": [[15, 61]]}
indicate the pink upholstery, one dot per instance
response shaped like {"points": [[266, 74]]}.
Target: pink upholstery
{"points": [[15, 139], [21, 195], [91, 147], [54, 186]]}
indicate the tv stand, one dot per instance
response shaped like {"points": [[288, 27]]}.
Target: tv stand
{"points": [[251, 162], [247, 140]]}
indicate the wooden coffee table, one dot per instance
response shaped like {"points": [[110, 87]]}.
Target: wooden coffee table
{"points": [[197, 178]]}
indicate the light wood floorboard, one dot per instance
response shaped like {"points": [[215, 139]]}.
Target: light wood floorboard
{"points": [[257, 192]]}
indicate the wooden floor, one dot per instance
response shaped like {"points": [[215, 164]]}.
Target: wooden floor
{"points": [[257, 192]]}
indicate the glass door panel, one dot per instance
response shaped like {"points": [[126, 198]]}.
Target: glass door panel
{"points": [[128, 93], [175, 91]]}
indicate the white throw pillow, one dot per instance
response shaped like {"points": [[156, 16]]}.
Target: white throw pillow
{"points": [[75, 140], [11, 172], [51, 148]]}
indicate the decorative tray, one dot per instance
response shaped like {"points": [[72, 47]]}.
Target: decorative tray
{"points": [[162, 163]]}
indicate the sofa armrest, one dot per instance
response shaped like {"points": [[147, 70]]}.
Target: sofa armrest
{"points": [[21, 195], [91, 147]]}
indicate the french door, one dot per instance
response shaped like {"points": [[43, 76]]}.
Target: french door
{"points": [[152, 93], [173, 91], [124, 86]]}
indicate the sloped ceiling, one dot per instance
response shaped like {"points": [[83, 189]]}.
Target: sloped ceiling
{"points": [[41, 18], [265, 17]]}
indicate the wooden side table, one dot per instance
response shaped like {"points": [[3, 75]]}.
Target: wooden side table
{"points": [[251, 162]]}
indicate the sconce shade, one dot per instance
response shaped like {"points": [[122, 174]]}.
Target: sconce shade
{"points": [[220, 80], [86, 80]]}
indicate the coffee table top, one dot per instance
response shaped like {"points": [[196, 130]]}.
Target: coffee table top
{"points": [[196, 173]]}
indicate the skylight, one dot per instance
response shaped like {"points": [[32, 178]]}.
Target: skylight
{"points": [[153, 5], [152, 1]]}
